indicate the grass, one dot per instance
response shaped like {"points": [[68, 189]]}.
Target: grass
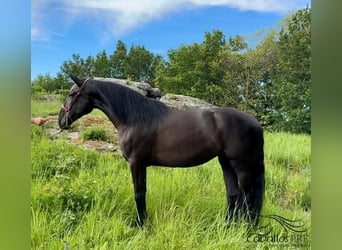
{"points": [[83, 199], [42, 108], [97, 133]]}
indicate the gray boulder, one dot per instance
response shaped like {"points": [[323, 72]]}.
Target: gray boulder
{"points": [[141, 87], [184, 102]]}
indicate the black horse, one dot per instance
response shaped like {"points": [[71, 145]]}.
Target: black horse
{"points": [[151, 133]]}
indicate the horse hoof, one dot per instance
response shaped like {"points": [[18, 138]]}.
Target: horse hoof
{"points": [[139, 222]]}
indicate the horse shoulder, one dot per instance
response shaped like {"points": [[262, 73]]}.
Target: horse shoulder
{"points": [[135, 142]]}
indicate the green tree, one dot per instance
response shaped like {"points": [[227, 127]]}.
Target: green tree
{"points": [[179, 73], [267, 54], [101, 66], [195, 70], [292, 78], [61, 82], [43, 83], [247, 82], [209, 86], [77, 66], [140, 64], [234, 63], [48, 84], [118, 61], [237, 43]]}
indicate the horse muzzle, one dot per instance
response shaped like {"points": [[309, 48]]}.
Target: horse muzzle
{"points": [[64, 120]]}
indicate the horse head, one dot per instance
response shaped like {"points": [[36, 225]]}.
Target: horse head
{"points": [[77, 104]]}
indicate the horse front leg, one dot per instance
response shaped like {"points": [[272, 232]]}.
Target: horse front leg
{"points": [[139, 181]]}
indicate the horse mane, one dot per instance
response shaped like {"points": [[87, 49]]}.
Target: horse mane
{"points": [[131, 107]]}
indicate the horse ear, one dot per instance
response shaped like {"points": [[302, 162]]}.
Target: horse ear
{"points": [[76, 80]]}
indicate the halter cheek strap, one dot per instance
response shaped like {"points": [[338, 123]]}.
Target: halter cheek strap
{"points": [[67, 109]]}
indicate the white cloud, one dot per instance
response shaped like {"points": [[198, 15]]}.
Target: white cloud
{"points": [[37, 32], [120, 16]]}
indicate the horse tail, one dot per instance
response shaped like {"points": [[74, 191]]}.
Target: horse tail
{"points": [[259, 183]]}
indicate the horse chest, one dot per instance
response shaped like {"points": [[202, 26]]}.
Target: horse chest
{"points": [[135, 144]]}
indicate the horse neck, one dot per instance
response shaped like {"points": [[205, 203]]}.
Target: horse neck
{"points": [[103, 103], [125, 107]]}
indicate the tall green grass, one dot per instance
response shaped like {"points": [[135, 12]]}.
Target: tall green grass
{"points": [[43, 108], [82, 199]]}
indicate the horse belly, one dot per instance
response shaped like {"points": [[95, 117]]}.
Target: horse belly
{"points": [[185, 150]]}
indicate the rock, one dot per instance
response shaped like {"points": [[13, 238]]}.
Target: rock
{"points": [[115, 80], [47, 98], [73, 135], [184, 102], [155, 93], [141, 87], [141, 91]]}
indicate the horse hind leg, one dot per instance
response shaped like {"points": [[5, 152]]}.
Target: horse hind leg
{"points": [[233, 191], [259, 186], [251, 183]]}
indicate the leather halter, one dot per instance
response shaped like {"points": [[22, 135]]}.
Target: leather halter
{"points": [[67, 109]]}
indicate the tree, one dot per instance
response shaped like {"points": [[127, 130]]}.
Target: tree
{"points": [[118, 61], [194, 69], [247, 81], [178, 73], [77, 66], [292, 78], [237, 43], [43, 83], [48, 84], [209, 86], [100, 66], [61, 82], [140, 64]]}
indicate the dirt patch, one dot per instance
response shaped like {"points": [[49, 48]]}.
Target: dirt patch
{"points": [[73, 135], [91, 121]]}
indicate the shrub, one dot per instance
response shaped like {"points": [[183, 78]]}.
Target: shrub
{"points": [[97, 133]]}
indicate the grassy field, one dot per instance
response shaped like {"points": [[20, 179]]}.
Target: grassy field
{"points": [[83, 199]]}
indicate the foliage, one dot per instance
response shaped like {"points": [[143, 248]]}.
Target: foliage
{"points": [[118, 61], [98, 133], [100, 66], [248, 74], [49, 84], [193, 69], [78, 66], [140, 64], [292, 76]]}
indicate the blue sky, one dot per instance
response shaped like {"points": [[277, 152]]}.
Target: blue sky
{"points": [[60, 28]]}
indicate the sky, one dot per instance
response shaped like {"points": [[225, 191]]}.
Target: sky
{"points": [[60, 28]]}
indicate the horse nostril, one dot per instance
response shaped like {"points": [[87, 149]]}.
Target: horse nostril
{"points": [[63, 123]]}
